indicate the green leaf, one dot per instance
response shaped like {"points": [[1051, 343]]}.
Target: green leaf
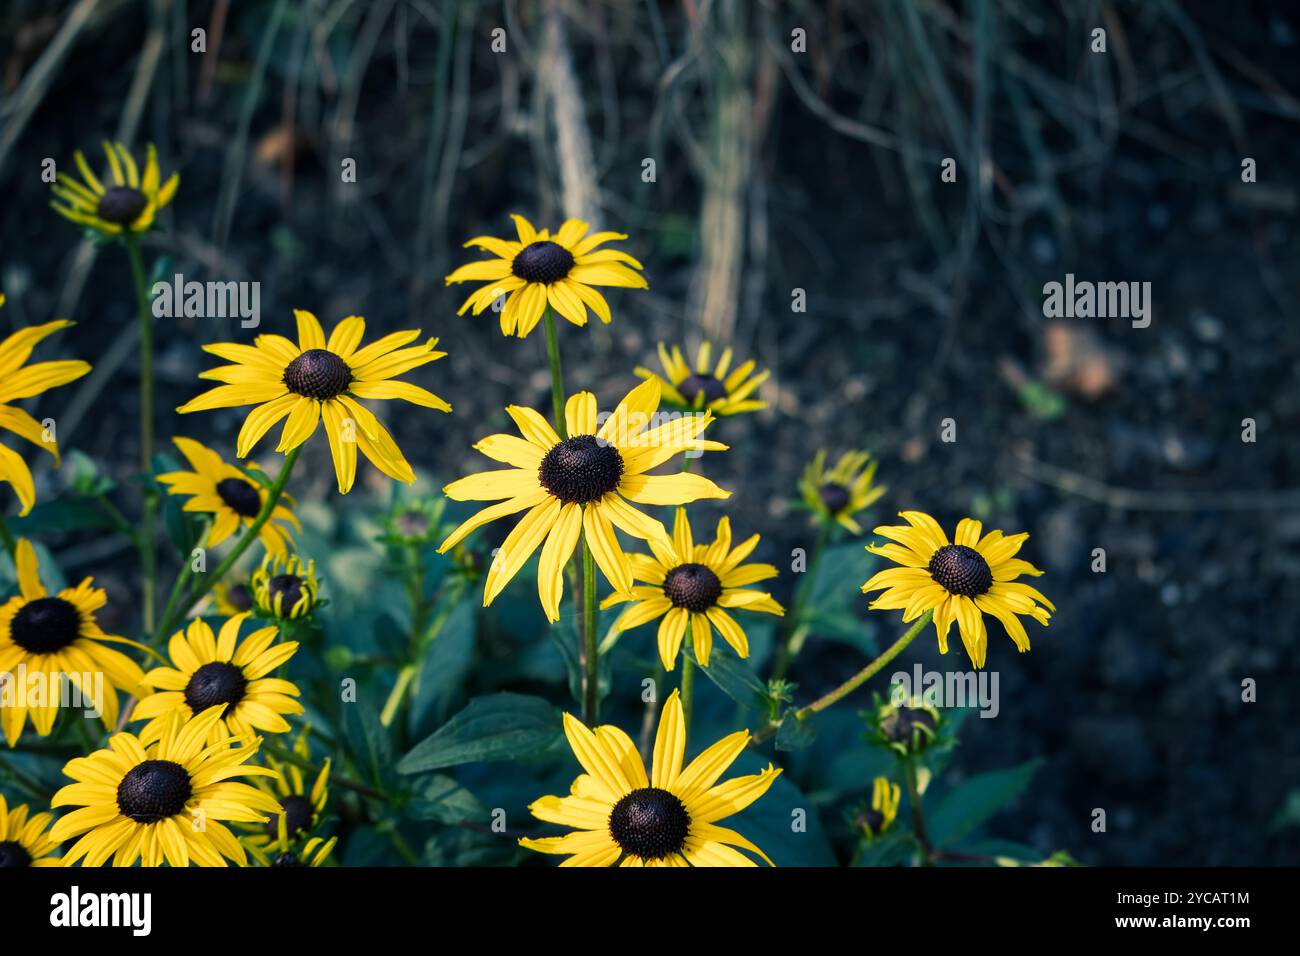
{"points": [[972, 802], [445, 801], [368, 740], [443, 669], [84, 476], [734, 677], [497, 727], [62, 514], [794, 734]]}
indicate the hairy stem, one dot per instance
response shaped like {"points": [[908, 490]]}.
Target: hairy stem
{"points": [[854, 682]]}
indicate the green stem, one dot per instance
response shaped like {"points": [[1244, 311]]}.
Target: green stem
{"points": [[590, 653], [791, 635], [148, 534], [854, 682], [7, 537], [687, 688], [557, 372], [178, 586], [914, 802], [272, 499]]}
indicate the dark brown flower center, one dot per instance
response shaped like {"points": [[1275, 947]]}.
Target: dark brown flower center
{"points": [[692, 586], [908, 725], [318, 374], [219, 682], [288, 588], [702, 383], [835, 497], [13, 854], [239, 597], [46, 625], [154, 790], [871, 820], [122, 205], [581, 469], [650, 823], [241, 495], [413, 523], [298, 813], [961, 570], [543, 262]]}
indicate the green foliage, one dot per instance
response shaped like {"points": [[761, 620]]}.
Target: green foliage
{"points": [[496, 727]]}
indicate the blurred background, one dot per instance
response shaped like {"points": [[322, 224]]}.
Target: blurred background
{"points": [[794, 146]]}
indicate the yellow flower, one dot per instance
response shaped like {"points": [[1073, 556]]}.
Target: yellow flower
{"points": [[56, 634], [231, 599], [695, 584], [301, 806], [128, 204], [223, 673], [313, 853], [840, 493], [542, 269], [884, 809], [708, 385], [17, 382], [165, 800], [668, 819], [960, 581], [581, 484], [220, 489], [285, 587], [25, 842], [318, 379]]}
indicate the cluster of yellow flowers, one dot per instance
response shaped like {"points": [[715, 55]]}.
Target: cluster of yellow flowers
{"points": [[579, 477]]}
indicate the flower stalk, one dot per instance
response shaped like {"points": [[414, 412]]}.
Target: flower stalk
{"points": [[248, 537], [854, 682]]}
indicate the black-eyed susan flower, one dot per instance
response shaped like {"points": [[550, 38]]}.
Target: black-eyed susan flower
{"points": [[301, 802], [128, 204], [669, 818], [874, 820], [23, 841], [706, 384], [56, 635], [218, 488], [322, 379], [960, 580], [838, 493], [582, 484], [689, 585], [906, 726], [19, 381], [413, 522], [285, 587], [232, 597], [224, 672], [164, 801], [315, 852], [540, 269]]}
